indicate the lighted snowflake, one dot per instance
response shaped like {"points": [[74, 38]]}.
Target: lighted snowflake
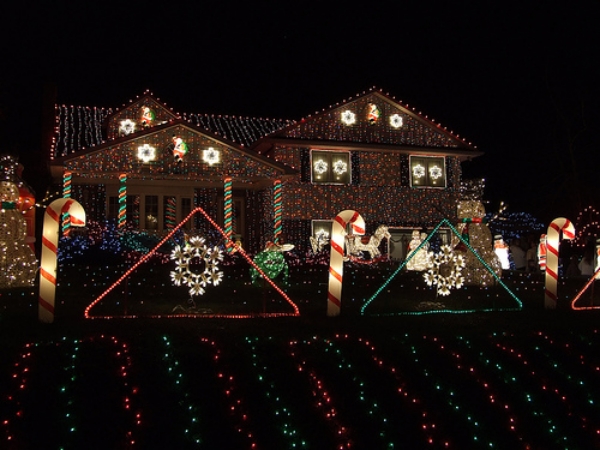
{"points": [[435, 172], [340, 167], [320, 166], [396, 120], [211, 156], [195, 249], [444, 270], [127, 126], [418, 171], [146, 153], [348, 117]]}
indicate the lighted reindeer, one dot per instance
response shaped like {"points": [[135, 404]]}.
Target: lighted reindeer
{"points": [[355, 245]]}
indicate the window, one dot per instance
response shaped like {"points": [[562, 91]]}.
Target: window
{"points": [[330, 167], [186, 209], [151, 212], [427, 171]]}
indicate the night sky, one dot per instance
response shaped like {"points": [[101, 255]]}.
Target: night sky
{"points": [[518, 79]]}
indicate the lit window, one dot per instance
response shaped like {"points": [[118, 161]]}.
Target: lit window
{"points": [[427, 171], [330, 167]]}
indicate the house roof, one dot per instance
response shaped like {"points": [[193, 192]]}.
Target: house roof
{"points": [[82, 128], [326, 129]]}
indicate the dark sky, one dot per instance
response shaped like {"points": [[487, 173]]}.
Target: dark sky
{"points": [[516, 78]]}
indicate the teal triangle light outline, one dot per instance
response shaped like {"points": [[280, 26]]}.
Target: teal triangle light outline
{"points": [[462, 311]]}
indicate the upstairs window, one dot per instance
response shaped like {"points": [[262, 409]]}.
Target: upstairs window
{"points": [[330, 167], [427, 171]]}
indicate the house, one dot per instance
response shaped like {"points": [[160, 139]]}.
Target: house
{"points": [[146, 166]]}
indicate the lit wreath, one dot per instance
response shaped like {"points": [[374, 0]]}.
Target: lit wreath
{"points": [[183, 256], [444, 270]]}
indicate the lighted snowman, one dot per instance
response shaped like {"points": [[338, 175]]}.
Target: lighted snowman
{"points": [[475, 231], [17, 260]]}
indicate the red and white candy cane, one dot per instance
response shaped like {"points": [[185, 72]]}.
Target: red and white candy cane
{"points": [[552, 243], [336, 261], [50, 235]]}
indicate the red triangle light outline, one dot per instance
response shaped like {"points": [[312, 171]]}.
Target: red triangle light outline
{"points": [[229, 244], [582, 291]]}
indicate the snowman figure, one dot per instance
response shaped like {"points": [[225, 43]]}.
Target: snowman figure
{"points": [[17, 260], [419, 260], [476, 233]]}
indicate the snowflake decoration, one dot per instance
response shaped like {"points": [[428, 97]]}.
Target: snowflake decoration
{"points": [[146, 153], [320, 166], [444, 270], [127, 127], [435, 172], [348, 117], [196, 248], [418, 171], [211, 156], [340, 167], [396, 120]]}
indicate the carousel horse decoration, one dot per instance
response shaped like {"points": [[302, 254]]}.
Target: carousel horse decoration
{"points": [[319, 241], [355, 246], [271, 262]]}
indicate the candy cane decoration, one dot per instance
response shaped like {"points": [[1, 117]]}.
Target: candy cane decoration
{"points": [[336, 261], [66, 223], [228, 207], [122, 200], [277, 209], [552, 244], [50, 235]]}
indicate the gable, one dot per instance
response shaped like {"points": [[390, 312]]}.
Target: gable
{"points": [[142, 114], [373, 119], [173, 152]]}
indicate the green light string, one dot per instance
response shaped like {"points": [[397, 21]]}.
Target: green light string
{"points": [[538, 369], [451, 311], [192, 429], [487, 391], [412, 404], [374, 412], [531, 403], [452, 397], [282, 411]]}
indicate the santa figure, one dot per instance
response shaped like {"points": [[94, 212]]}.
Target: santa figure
{"points": [[542, 252], [147, 117], [180, 149]]}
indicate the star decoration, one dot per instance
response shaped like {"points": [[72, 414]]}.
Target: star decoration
{"points": [[435, 172], [146, 153], [211, 156], [444, 270], [418, 171], [320, 166], [396, 120], [340, 167], [196, 248], [348, 117]]}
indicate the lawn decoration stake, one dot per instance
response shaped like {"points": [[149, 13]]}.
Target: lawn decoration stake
{"points": [[552, 244], [49, 249], [336, 259]]}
